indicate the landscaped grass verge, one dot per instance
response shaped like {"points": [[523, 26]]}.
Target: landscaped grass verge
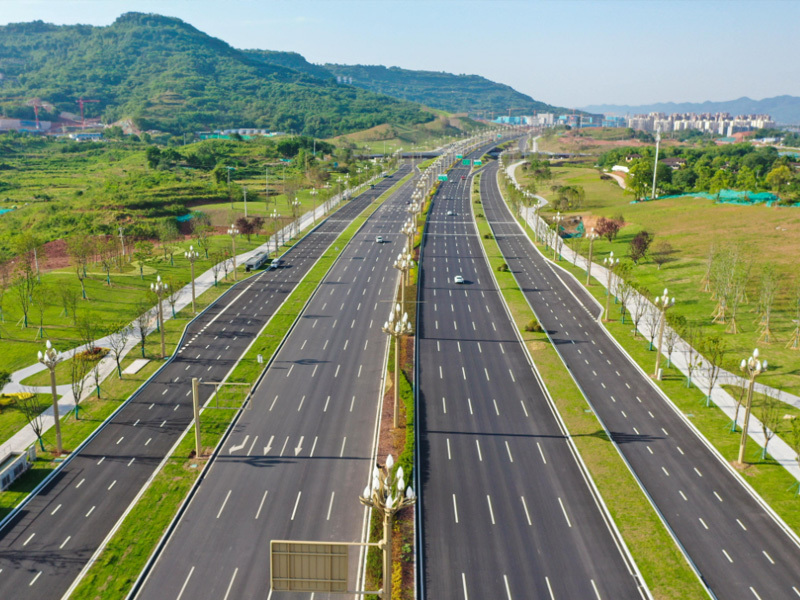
{"points": [[123, 558], [661, 563]]}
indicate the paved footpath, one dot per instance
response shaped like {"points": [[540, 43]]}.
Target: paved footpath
{"points": [[24, 438], [778, 449]]}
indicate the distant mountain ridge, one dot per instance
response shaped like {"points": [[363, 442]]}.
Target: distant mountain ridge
{"points": [[783, 109], [162, 73]]}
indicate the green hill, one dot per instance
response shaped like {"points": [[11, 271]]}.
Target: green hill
{"points": [[165, 74], [454, 93]]}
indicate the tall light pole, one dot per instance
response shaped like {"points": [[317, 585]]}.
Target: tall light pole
{"points": [[50, 358], [160, 288], [230, 197], [556, 237], [192, 255], [611, 263], [655, 164], [314, 193], [662, 303], [244, 192], [409, 231], [404, 263], [275, 216], [592, 237], [752, 367], [295, 205], [233, 232], [387, 494], [397, 326]]}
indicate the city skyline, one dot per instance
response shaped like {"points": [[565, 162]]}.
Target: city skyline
{"points": [[569, 54]]}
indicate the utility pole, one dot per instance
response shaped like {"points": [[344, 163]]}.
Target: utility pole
{"points": [[122, 240], [655, 164]]}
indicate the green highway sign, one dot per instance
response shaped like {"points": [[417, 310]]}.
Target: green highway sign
{"points": [[442, 177], [465, 162], [477, 162], [459, 156], [499, 135]]}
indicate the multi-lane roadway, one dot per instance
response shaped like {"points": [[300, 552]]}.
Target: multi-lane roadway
{"points": [[507, 509], [50, 539], [296, 461], [739, 548]]}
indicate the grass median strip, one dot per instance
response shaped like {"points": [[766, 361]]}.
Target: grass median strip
{"points": [[664, 568], [121, 561]]}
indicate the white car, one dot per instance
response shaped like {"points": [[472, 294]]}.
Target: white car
{"points": [[378, 239], [458, 279], [450, 213]]}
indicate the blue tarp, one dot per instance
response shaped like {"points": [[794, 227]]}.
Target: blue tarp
{"points": [[727, 197]]}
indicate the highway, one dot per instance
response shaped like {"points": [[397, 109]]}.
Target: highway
{"points": [[47, 543], [295, 464], [507, 510], [738, 547]]}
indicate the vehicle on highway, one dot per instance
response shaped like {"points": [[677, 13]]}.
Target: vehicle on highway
{"points": [[458, 279], [450, 213], [256, 262], [278, 262], [463, 177], [378, 239]]}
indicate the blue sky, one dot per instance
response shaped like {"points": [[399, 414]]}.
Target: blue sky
{"points": [[567, 52]]}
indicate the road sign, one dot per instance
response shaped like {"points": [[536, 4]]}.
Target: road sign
{"points": [[477, 162], [308, 566], [459, 156], [499, 135], [442, 177], [465, 162]]}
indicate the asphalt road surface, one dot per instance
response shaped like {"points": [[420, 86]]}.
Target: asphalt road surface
{"points": [[507, 510], [45, 546], [736, 544], [295, 464]]}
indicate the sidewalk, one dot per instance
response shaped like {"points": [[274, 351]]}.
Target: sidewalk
{"points": [[778, 449], [24, 438]]}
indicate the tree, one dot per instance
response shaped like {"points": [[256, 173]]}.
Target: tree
{"points": [[6, 276], [69, 300], [639, 246], [640, 304], [79, 366], [217, 259], [778, 177], [245, 227], [739, 397], [767, 292], [144, 316], [202, 237], [167, 235], [88, 326], [746, 179], [640, 176], [607, 228], [40, 299], [713, 350], [175, 289], [693, 338], [661, 253], [118, 335], [624, 290], [25, 285], [107, 253], [31, 406], [770, 417], [653, 320], [80, 248], [141, 252]]}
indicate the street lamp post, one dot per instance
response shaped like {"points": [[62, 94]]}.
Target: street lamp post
{"points": [[230, 197], [50, 358], [160, 289], [404, 263], [752, 367], [397, 326], [192, 255], [275, 216], [662, 303], [592, 237], [387, 494], [295, 214], [314, 211], [556, 237], [233, 232], [611, 263]]}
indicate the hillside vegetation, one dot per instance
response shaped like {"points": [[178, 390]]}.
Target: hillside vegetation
{"points": [[164, 74]]}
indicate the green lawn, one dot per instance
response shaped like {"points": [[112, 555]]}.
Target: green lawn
{"points": [[664, 568], [691, 226]]}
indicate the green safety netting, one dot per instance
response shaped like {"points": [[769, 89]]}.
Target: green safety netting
{"points": [[726, 197]]}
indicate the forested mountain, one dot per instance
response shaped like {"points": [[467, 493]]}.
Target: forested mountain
{"points": [[165, 74], [445, 91], [784, 109]]}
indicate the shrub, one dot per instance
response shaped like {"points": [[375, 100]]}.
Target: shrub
{"points": [[488, 236], [533, 325], [5, 377], [503, 268]]}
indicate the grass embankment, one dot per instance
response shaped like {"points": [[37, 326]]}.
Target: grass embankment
{"points": [[121, 561], [692, 226], [772, 482], [664, 568]]}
